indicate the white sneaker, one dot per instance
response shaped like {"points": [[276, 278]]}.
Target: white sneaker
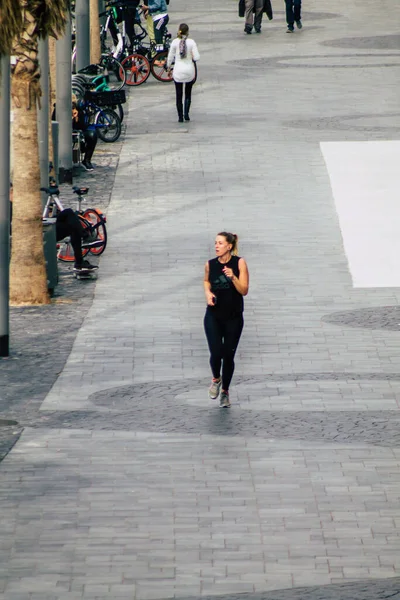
{"points": [[224, 399], [214, 389]]}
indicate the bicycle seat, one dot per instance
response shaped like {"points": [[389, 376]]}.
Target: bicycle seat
{"points": [[80, 191], [51, 191]]}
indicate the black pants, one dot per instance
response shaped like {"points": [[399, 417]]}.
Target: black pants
{"points": [[130, 20], [179, 94], [90, 143], [68, 224], [223, 338], [127, 14], [293, 12]]}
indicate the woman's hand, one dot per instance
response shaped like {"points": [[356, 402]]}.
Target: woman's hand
{"points": [[228, 273], [211, 299]]}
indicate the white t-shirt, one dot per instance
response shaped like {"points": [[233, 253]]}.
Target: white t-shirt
{"points": [[184, 70]]}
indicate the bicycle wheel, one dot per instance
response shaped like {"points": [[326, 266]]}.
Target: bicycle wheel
{"points": [[113, 72], [136, 68], [159, 67], [65, 252], [109, 125], [78, 90], [97, 222]]}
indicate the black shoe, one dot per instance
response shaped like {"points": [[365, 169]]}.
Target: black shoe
{"points": [[247, 30], [85, 266], [299, 24], [180, 120], [258, 30], [290, 30], [87, 165]]}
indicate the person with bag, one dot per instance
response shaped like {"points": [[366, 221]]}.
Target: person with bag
{"points": [[253, 11], [182, 57], [226, 281]]}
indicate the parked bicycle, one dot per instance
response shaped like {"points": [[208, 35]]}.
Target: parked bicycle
{"points": [[92, 219], [95, 106], [102, 98], [145, 59], [106, 75]]}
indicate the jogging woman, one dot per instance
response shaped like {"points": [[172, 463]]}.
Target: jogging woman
{"points": [[226, 281], [183, 53]]}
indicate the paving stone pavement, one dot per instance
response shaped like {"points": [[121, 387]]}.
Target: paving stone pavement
{"points": [[128, 482]]}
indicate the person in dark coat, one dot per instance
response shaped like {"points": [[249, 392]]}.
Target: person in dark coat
{"points": [[253, 11], [253, 15]]}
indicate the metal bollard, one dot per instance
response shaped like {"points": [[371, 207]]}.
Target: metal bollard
{"points": [[54, 133], [50, 253]]}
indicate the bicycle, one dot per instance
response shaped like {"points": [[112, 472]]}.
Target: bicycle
{"points": [[92, 220], [106, 75], [100, 117], [112, 40], [146, 59], [100, 96]]}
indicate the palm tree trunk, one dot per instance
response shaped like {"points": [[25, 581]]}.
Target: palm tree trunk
{"points": [[28, 278], [95, 52]]}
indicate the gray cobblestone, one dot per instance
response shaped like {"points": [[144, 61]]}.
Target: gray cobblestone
{"points": [[129, 483]]}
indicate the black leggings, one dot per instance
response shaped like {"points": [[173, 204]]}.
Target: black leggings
{"points": [[90, 143], [179, 92], [223, 338]]}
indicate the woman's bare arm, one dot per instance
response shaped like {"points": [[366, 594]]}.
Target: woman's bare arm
{"points": [[207, 286], [241, 283]]}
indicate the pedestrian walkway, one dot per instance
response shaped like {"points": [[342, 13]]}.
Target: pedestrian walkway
{"points": [[137, 486]]}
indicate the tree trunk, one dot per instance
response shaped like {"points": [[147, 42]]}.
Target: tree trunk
{"points": [[52, 97], [28, 278], [95, 52]]}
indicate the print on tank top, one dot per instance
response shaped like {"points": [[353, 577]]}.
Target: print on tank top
{"points": [[222, 283]]}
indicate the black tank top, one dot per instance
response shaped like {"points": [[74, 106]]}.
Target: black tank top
{"points": [[229, 301]]}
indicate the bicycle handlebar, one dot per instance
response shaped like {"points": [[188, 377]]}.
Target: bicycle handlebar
{"points": [[118, 4]]}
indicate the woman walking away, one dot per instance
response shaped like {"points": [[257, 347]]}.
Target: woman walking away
{"points": [[183, 52], [226, 281]]}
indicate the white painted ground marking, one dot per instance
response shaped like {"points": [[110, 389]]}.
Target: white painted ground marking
{"points": [[365, 185]]}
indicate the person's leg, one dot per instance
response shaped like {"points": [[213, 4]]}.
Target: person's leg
{"points": [[297, 11], [179, 98], [289, 14], [68, 224], [213, 333], [130, 15], [90, 144], [248, 15], [113, 29], [188, 99], [232, 332], [159, 30], [150, 28], [259, 7]]}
